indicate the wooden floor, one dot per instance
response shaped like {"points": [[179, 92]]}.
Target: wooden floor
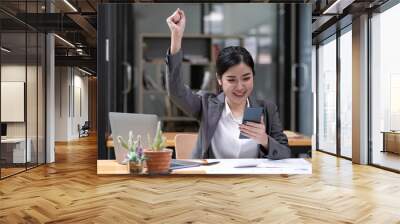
{"points": [[10, 171], [69, 191], [5, 172], [386, 159]]}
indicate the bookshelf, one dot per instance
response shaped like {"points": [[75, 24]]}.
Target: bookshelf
{"points": [[198, 67]]}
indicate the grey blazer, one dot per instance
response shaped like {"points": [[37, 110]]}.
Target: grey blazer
{"points": [[208, 107]]}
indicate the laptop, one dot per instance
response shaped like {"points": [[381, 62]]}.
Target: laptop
{"points": [[139, 124], [180, 164]]}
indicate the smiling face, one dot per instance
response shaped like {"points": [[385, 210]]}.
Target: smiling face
{"points": [[237, 83]]}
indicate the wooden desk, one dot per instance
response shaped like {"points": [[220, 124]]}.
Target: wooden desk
{"points": [[225, 167], [113, 167], [294, 139], [391, 141]]}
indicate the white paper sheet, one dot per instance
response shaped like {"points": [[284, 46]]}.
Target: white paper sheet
{"points": [[257, 166]]}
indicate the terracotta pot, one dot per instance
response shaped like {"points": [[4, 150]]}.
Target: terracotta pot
{"points": [[158, 162]]}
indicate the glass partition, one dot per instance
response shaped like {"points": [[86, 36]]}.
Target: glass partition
{"points": [[31, 99], [22, 90], [14, 143]]}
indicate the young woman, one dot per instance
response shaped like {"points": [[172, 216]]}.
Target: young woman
{"points": [[221, 115]]}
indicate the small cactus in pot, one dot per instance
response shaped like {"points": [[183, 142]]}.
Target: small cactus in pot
{"points": [[158, 157]]}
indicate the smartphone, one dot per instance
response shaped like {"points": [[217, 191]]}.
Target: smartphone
{"points": [[252, 114]]}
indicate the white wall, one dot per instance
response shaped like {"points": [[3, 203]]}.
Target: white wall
{"points": [[33, 126], [241, 18], [79, 117], [61, 103], [70, 83], [14, 73], [17, 73]]}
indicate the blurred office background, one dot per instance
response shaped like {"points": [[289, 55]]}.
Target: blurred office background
{"points": [[133, 40], [329, 65]]}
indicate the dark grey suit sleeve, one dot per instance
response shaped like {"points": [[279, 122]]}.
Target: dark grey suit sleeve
{"points": [[277, 141], [196, 153], [178, 92]]}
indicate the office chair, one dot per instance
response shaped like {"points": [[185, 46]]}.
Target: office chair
{"points": [[84, 130], [184, 145]]}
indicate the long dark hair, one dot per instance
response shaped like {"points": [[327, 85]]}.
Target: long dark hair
{"points": [[231, 56]]}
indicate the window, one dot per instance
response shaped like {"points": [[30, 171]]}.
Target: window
{"points": [[385, 88], [327, 96], [346, 94]]}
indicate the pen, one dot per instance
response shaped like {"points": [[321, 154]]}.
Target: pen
{"points": [[210, 163], [245, 166], [254, 166]]}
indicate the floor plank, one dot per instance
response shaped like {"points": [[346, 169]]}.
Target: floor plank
{"points": [[69, 191]]}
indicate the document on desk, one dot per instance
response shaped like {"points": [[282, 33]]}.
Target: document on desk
{"points": [[259, 166]]}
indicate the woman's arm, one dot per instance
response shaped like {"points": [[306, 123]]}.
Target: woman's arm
{"points": [[277, 147], [179, 93], [273, 145], [176, 23]]}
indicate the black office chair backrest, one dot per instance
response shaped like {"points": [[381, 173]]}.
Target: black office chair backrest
{"points": [[86, 125]]}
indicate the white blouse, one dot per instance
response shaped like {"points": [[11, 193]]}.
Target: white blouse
{"points": [[226, 143]]}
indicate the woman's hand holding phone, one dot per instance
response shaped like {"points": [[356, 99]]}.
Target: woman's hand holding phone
{"points": [[255, 131], [176, 23]]}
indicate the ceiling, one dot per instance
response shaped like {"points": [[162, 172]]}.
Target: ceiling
{"points": [[76, 22]]}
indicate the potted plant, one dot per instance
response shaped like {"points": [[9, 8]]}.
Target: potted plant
{"points": [[135, 156], [158, 158]]}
